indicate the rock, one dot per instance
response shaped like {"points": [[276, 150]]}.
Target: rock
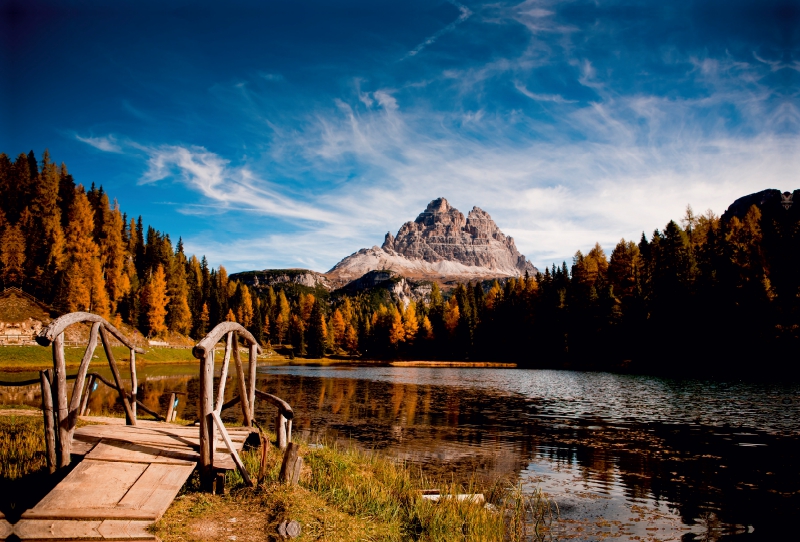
{"points": [[770, 201], [441, 244], [271, 277]]}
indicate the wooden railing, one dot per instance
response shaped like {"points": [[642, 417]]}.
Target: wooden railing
{"points": [[209, 409], [61, 417]]}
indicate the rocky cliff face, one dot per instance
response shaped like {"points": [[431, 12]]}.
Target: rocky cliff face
{"points": [[272, 277], [441, 244]]}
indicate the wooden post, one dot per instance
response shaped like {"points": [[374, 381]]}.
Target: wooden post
{"points": [[87, 395], [49, 423], [170, 407], [280, 430], [292, 465], [129, 416], [262, 471], [80, 379], [64, 440], [231, 450], [134, 383], [252, 384], [206, 421], [223, 375], [289, 430], [248, 422]]}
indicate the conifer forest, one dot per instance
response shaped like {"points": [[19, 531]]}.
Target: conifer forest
{"points": [[702, 295]]}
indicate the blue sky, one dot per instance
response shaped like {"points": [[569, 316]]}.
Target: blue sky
{"points": [[291, 134]]}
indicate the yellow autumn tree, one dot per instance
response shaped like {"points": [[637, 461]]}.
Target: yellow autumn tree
{"points": [[397, 333], [113, 252], [155, 300], [244, 312], [85, 287], [339, 326], [427, 329], [351, 338], [12, 254], [410, 322], [205, 316], [451, 315]]}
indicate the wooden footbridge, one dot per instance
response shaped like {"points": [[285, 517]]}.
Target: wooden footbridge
{"points": [[130, 470]]}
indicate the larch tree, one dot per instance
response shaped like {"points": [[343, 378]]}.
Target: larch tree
{"points": [[84, 285], [179, 314], [282, 319], [451, 315], [156, 301], [410, 322], [339, 326], [203, 320], [317, 334], [12, 254], [113, 252]]}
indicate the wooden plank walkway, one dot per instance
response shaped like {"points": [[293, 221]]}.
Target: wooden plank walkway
{"points": [[126, 481]]}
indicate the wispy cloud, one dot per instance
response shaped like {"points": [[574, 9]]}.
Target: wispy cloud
{"points": [[237, 188], [464, 14], [539, 97], [103, 143]]}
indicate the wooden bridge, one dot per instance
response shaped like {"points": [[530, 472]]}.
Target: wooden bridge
{"points": [[131, 470]]}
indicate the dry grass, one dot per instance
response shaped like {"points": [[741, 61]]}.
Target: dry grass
{"points": [[348, 495]]}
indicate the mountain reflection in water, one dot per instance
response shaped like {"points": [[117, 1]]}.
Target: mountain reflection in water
{"points": [[621, 455]]}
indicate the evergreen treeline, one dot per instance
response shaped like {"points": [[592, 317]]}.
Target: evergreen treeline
{"points": [[703, 295]]}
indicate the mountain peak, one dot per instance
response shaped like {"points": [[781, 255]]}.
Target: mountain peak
{"points": [[441, 243]]}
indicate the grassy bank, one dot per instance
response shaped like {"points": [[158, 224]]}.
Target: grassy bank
{"points": [[346, 495], [29, 358], [343, 495]]}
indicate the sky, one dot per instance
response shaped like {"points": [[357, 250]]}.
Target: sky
{"points": [[291, 134]]}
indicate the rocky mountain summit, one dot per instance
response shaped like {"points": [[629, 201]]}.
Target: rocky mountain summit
{"points": [[441, 244]]}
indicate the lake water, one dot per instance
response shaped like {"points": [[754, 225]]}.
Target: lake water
{"points": [[622, 456]]}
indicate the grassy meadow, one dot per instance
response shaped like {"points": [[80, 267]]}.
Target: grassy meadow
{"points": [[30, 358]]}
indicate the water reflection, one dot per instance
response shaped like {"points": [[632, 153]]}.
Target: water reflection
{"points": [[622, 455]]}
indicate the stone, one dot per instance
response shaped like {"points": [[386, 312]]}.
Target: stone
{"points": [[441, 244]]}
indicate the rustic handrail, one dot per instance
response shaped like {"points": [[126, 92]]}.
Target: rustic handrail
{"points": [[209, 412], [56, 327], [60, 414], [209, 341]]}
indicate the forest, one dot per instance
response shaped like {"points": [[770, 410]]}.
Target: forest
{"points": [[705, 295]]}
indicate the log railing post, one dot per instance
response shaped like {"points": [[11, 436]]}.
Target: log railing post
{"points": [[129, 415], [62, 408], [80, 379], [223, 375], [207, 421], [134, 383], [243, 392], [49, 422], [280, 430], [170, 407], [87, 395], [252, 383]]}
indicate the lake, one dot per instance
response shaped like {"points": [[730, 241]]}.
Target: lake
{"points": [[622, 456]]}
